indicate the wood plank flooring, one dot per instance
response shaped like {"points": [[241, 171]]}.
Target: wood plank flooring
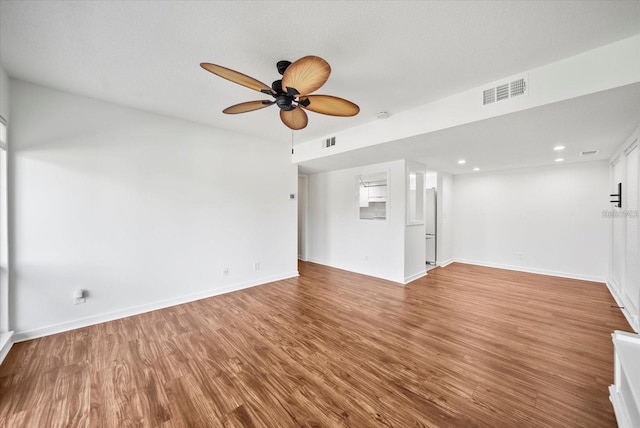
{"points": [[465, 346]]}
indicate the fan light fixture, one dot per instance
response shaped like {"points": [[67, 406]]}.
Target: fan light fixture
{"points": [[291, 93]]}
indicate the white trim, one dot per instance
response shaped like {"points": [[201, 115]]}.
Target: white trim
{"points": [[446, 262], [631, 319], [353, 270], [136, 310], [624, 393], [410, 278], [304, 254], [619, 408], [560, 274], [5, 345], [631, 147]]}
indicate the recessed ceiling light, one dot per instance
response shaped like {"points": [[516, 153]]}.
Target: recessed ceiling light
{"points": [[476, 169], [558, 148], [461, 162], [559, 160]]}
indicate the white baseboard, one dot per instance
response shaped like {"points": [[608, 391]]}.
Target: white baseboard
{"points": [[559, 274], [631, 319], [5, 345], [358, 271], [445, 263], [136, 310], [408, 279]]}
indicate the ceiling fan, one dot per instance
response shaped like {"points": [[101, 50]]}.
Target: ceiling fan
{"points": [[292, 92]]}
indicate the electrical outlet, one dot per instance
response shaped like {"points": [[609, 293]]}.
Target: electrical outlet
{"points": [[225, 271], [79, 297], [256, 266]]}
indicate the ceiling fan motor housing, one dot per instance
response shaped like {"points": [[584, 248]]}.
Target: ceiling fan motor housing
{"points": [[284, 101]]}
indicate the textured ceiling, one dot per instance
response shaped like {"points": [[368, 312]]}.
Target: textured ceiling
{"points": [[384, 55]]}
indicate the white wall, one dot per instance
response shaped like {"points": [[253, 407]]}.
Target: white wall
{"points": [[4, 94], [5, 334], [338, 238], [414, 235], [552, 215], [415, 253], [445, 219], [141, 210]]}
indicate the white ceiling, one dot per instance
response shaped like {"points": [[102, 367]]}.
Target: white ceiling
{"points": [[600, 121], [384, 56]]}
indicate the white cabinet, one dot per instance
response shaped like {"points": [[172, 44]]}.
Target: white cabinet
{"points": [[378, 192], [364, 196], [625, 391]]}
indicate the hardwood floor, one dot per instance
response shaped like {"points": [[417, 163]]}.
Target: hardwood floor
{"points": [[464, 346]]}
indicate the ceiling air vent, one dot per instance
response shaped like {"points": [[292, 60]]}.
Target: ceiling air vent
{"points": [[329, 142], [504, 91], [588, 152], [489, 96], [518, 87]]}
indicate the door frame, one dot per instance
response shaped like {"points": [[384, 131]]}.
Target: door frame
{"points": [[303, 217]]}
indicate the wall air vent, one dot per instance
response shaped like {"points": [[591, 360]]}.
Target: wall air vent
{"points": [[328, 142], [489, 96], [504, 91], [589, 152], [518, 87]]}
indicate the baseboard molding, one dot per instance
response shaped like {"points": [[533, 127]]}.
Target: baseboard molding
{"points": [[445, 263], [631, 319], [136, 310], [5, 344], [359, 272], [559, 274], [408, 279]]}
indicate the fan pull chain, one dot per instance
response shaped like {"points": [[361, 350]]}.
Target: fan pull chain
{"points": [[292, 141]]}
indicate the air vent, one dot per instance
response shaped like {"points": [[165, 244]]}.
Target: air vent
{"points": [[504, 91], [589, 152], [518, 87], [489, 96], [329, 142]]}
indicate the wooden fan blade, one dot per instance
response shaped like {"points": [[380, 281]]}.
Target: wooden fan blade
{"points": [[327, 104], [237, 77], [294, 119], [248, 106], [306, 75]]}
